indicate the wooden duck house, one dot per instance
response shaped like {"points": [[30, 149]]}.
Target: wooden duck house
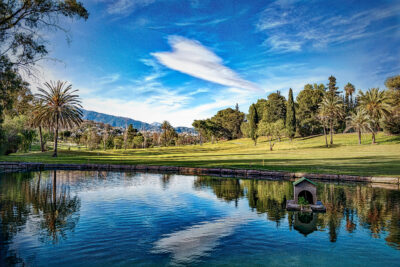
{"points": [[305, 190]]}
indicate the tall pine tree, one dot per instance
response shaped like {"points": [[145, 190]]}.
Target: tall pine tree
{"points": [[253, 122], [332, 88], [290, 116]]}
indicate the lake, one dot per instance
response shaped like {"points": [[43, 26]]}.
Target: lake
{"points": [[76, 218]]}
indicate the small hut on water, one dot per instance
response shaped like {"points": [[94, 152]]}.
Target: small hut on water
{"points": [[306, 190]]}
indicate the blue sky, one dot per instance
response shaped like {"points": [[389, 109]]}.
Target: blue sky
{"points": [[155, 60]]}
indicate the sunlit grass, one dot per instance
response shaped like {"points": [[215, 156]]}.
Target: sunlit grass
{"points": [[300, 155]]}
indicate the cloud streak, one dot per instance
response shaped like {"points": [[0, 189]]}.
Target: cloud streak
{"points": [[192, 58], [291, 27], [126, 7]]}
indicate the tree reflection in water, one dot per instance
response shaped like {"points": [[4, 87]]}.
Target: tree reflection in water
{"points": [[352, 206], [31, 197], [44, 202]]}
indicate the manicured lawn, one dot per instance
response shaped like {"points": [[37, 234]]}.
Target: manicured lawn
{"points": [[300, 155]]}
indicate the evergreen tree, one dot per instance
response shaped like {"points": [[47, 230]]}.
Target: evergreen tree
{"points": [[290, 116], [253, 121], [332, 88], [237, 107]]}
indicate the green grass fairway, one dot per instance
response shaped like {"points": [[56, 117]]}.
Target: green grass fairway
{"points": [[299, 155]]}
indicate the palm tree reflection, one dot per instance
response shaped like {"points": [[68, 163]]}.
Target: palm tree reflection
{"points": [[53, 205]]}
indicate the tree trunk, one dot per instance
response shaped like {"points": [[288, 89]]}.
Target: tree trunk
{"points": [[326, 137], [373, 138], [331, 132], [41, 139], [359, 136], [56, 138]]}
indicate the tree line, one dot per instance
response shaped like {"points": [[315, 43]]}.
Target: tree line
{"points": [[55, 114], [319, 109]]}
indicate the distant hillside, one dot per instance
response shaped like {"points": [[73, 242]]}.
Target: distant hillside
{"points": [[122, 122]]}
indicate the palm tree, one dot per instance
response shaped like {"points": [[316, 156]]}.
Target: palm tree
{"points": [[61, 107], [349, 89], [360, 122], [332, 107], [376, 104], [166, 126]]}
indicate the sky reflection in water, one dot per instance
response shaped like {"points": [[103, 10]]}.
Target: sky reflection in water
{"points": [[106, 218]]}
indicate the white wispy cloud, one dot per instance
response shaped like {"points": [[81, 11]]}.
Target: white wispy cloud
{"points": [[125, 7], [292, 27], [109, 78], [203, 21], [282, 44], [192, 58]]}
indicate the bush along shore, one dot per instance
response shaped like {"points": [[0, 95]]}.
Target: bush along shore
{"points": [[224, 172]]}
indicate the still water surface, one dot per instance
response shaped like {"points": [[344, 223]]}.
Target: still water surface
{"points": [[125, 219]]}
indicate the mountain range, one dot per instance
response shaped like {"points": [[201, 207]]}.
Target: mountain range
{"points": [[117, 121]]}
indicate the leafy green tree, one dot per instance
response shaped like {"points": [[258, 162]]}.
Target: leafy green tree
{"points": [[260, 107], [201, 127], [61, 107], [230, 120], [245, 129], [138, 141], [291, 116], [118, 142], [11, 84], [360, 122], [17, 134], [275, 108], [129, 135], [332, 108], [253, 120], [23, 27], [308, 101], [376, 104], [272, 130]]}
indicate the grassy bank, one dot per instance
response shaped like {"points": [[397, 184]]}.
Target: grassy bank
{"points": [[299, 155]]}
